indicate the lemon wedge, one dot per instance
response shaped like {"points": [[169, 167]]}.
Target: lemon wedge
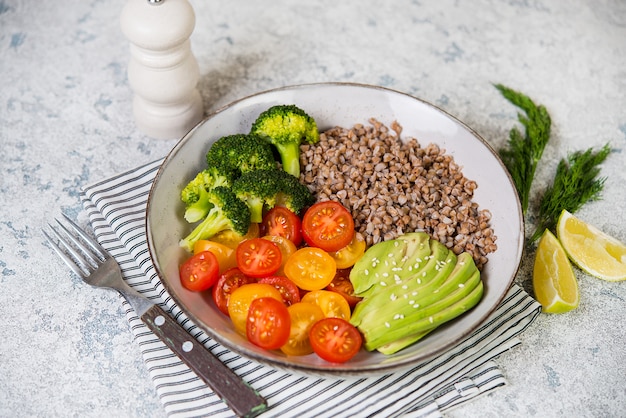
{"points": [[592, 250], [554, 282]]}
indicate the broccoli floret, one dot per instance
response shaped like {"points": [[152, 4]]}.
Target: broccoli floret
{"points": [[264, 189], [195, 196], [241, 153], [227, 213], [286, 127]]}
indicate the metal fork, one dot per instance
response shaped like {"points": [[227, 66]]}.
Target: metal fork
{"points": [[95, 266]]}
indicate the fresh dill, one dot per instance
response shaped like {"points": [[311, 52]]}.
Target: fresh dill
{"points": [[525, 149], [576, 182]]}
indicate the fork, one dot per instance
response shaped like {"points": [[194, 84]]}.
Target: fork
{"points": [[95, 266]]}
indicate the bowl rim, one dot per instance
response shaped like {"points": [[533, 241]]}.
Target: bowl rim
{"points": [[335, 370]]}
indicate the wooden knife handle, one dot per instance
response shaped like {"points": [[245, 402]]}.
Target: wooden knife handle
{"points": [[232, 389]]}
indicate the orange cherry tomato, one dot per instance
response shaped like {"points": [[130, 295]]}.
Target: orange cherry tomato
{"points": [[287, 288], [242, 297], [287, 248], [228, 282], [328, 225], [341, 284], [232, 239], [350, 254], [282, 222], [269, 323], [331, 303], [199, 272], [335, 339], [258, 257], [303, 316], [310, 268], [225, 255]]}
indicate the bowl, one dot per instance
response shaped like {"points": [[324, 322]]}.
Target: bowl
{"points": [[338, 104]]}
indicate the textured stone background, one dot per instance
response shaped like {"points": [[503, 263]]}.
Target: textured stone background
{"points": [[65, 121]]}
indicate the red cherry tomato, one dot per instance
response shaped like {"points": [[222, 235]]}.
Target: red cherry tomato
{"points": [[258, 257], [200, 271], [328, 225], [341, 284], [335, 339], [269, 324], [282, 222], [287, 288], [226, 284]]}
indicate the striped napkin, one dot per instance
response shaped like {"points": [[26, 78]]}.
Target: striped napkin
{"points": [[116, 209]]}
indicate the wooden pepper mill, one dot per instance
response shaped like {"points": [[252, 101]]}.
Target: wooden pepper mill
{"points": [[162, 72]]}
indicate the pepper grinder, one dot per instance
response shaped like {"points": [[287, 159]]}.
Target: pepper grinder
{"points": [[162, 71]]}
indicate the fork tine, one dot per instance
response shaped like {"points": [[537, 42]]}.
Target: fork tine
{"points": [[68, 261], [101, 252]]}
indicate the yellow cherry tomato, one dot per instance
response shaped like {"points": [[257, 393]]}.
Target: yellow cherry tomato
{"points": [[331, 303], [349, 255], [225, 255], [310, 268], [232, 239], [287, 248], [242, 297], [303, 316]]}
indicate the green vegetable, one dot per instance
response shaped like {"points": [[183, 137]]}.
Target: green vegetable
{"points": [[575, 183], [525, 150], [389, 262], [195, 194], [240, 153], [227, 213], [264, 189], [286, 127], [411, 285]]}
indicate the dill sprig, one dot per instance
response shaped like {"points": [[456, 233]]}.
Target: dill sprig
{"points": [[576, 182], [525, 150]]}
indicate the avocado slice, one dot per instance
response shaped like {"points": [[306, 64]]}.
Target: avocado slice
{"points": [[389, 300], [444, 316], [464, 295], [390, 262]]}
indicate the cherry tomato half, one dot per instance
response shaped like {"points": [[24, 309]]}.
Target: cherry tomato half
{"points": [[331, 303], [269, 323], [258, 257], [335, 339], [282, 222], [241, 299], [287, 288], [200, 271], [228, 282], [287, 248], [303, 316], [225, 255], [347, 256], [328, 225], [232, 239], [341, 284], [310, 268]]}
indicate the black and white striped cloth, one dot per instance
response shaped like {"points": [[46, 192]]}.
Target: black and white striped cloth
{"points": [[116, 210]]}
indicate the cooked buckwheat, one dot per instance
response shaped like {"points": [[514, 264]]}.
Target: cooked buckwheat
{"points": [[394, 186]]}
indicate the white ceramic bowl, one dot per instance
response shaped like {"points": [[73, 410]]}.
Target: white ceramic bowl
{"points": [[338, 104]]}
